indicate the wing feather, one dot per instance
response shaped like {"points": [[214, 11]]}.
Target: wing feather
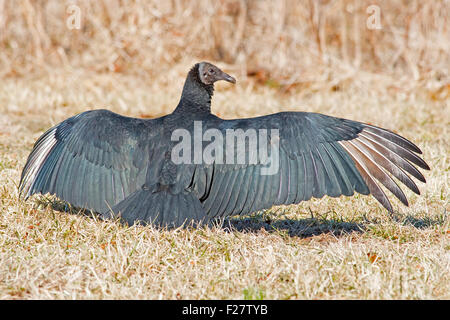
{"points": [[88, 159], [319, 155]]}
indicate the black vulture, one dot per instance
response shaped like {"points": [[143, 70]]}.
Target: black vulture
{"points": [[142, 171]]}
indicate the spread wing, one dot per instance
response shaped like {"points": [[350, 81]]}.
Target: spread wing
{"points": [[318, 155], [99, 160], [92, 160]]}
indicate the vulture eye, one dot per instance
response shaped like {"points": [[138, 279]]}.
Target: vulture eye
{"points": [[211, 71]]}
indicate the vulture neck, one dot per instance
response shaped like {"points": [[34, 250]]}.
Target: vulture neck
{"points": [[196, 96]]}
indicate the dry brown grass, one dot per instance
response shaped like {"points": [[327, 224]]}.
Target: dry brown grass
{"points": [[282, 39], [287, 56]]}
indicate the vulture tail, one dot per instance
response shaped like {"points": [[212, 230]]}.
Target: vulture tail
{"points": [[161, 208]]}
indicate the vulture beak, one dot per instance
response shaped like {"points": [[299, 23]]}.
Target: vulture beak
{"points": [[227, 77]]}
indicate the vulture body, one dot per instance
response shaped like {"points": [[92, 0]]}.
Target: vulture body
{"points": [[121, 166]]}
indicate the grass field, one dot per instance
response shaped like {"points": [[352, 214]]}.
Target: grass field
{"points": [[344, 248]]}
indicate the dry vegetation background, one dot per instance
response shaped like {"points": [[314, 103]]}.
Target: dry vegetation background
{"points": [[131, 57]]}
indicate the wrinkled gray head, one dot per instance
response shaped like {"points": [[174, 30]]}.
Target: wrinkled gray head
{"points": [[209, 73]]}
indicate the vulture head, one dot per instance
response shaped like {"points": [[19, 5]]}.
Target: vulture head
{"points": [[199, 87], [209, 73]]}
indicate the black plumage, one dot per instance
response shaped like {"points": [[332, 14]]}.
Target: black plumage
{"points": [[121, 166]]}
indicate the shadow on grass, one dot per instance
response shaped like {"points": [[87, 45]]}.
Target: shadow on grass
{"points": [[62, 206], [424, 222], [302, 228], [267, 220], [274, 222]]}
